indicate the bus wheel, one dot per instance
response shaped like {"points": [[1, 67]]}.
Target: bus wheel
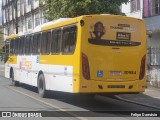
{"points": [[41, 86], [14, 83]]}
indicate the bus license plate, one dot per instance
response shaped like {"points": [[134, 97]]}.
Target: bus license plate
{"points": [[115, 73]]}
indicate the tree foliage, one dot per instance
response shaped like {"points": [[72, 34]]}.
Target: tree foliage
{"points": [[72, 8]]}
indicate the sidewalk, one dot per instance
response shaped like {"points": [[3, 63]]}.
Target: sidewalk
{"points": [[150, 97], [1, 68]]}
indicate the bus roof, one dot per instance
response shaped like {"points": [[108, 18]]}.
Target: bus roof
{"points": [[12, 36], [62, 22], [40, 27]]}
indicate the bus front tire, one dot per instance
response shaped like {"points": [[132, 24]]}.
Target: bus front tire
{"points": [[41, 86], [14, 83]]}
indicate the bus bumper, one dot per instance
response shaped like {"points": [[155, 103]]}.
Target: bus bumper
{"points": [[93, 86]]}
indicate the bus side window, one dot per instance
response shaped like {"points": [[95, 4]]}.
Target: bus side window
{"points": [[65, 41], [12, 46], [69, 40], [38, 50], [16, 46], [55, 42], [31, 44], [44, 43], [21, 45], [48, 43], [34, 46], [73, 39], [27, 45], [24, 45], [53, 51], [58, 40]]}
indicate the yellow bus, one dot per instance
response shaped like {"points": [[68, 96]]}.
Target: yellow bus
{"points": [[90, 54]]}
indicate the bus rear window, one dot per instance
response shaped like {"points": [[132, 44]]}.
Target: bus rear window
{"points": [[114, 33]]}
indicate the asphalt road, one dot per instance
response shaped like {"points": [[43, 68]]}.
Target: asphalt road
{"points": [[26, 98]]}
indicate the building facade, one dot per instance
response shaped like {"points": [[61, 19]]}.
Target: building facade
{"points": [[133, 8], [22, 16], [149, 10]]}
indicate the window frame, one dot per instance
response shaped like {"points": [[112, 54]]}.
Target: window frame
{"points": [[21, 45], [55, 45], [135, 6], [12, 42], [48, 42], [62, 47], [43, 50]]}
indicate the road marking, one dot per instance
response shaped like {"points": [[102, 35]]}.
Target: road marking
{"points": [[51, 105]]}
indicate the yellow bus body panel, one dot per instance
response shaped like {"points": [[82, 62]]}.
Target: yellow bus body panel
{"points": [[12, 60], [113, 58]]}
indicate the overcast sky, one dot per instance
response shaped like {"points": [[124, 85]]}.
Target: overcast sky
{"points": [[0, 12]]}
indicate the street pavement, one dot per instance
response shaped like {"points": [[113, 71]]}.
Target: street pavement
{"points": [[26, 98], [151, 97], [1, 68]]}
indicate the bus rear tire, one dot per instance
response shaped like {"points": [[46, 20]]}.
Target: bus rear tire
{"points": [[41, 86], [14, 83]]}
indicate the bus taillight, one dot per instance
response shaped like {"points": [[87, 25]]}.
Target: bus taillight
{"points": [[142, 69], [85, 67]]}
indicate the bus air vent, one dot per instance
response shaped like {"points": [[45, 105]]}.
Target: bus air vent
{"points": [[116, 86]]}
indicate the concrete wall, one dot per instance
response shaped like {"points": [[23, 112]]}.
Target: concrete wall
{"points": [[154, 40], [154, 68], [154, 77]]}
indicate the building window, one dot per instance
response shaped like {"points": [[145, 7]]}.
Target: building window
{"points": [[29, 2], [10, 13], [18, 5], [37, 19], [20, 26], [151, 8], [4, 2], [44, 16], [135, 5], [29, 23]]}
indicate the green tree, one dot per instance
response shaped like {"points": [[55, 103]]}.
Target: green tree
{"points": [[3, 55], [73, 8], [1, 40]]}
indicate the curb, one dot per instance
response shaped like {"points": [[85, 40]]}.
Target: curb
{"points": [[134, 102]]}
